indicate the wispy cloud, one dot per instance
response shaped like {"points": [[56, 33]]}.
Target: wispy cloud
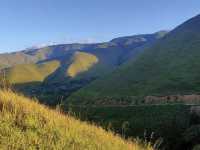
{"points": [[80, 40], [67, 40]]}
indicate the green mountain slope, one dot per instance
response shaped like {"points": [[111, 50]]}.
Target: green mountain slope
{"points": [[169, 67], [26, 125]]}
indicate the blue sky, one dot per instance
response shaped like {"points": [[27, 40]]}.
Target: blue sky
{"points": [[26, 23]]}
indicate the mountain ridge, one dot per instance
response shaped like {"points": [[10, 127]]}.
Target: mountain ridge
{"points": [[88, 62]]}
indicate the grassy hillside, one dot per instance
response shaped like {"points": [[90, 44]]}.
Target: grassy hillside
{"points": [[27, 73], [169, 67], [81, 62], [24, 125]]}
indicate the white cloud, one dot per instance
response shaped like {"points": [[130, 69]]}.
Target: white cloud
{"points": [[80, 40], [64, 41]]}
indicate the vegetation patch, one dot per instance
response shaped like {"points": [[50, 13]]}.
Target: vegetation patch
{"points": [[173, 123]]}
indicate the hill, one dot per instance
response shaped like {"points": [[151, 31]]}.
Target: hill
{"points": [[11, 59], [71, 66], [24, 125], [26, 73], [169, 67]]}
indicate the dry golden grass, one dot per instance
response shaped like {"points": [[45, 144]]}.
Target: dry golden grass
{"points": [[27, 125]]}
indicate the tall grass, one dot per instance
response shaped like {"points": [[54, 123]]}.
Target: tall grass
{"points": [[27, 125], [4, 82]]}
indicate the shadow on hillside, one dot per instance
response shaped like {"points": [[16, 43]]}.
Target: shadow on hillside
{"points": [[52, 93], [39, 91]]}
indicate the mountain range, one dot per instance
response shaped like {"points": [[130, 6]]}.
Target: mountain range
{"points": [[54, 72]]}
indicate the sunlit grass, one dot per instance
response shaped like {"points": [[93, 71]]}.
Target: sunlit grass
{"points": [[25, 124], [81, 62], [26, 73]]}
